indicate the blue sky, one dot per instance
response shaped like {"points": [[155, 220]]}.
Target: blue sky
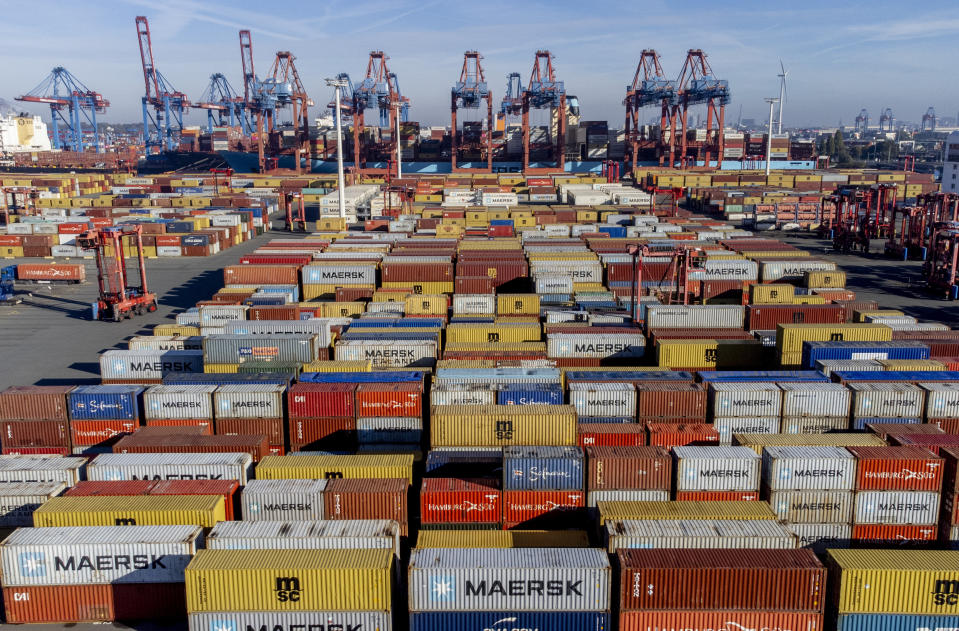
{"points": [[840, 56]]}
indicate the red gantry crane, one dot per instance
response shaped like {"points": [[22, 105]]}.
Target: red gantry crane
{"points": [[697, 84], [378, 90], [161, 131], [650, 87], [468, 93], [545, 92]]}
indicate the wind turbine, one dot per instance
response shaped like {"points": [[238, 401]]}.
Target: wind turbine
{"points": [[782, 93]]}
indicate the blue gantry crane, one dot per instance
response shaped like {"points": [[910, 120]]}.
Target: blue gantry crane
{"points": [[650, 87], [379, 89], [545, 92], [224, 106], [468, 93], [161, 130], [512, 104], [698, 84], [71, 104]]}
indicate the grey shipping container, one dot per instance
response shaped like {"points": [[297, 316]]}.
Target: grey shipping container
{"points": [[172, 466], [18, 469], [237, 349], [351, 534], [812, 507], [18, 501], [285, 500], [697, 533], [292, 620], [716, 469], [809, 468]]}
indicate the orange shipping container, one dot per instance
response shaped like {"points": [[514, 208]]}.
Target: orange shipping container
{"points": [[717, 496], [261, 275], [389, 399], [897, 469], [94, 603]]}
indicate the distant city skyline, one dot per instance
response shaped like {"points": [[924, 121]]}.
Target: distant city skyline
{"points": [[841, 57]]}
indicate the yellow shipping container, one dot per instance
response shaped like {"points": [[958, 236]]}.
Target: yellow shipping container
{"points": [[176, 329], [448, 230], [825, 280], [912, 364], [809, 300], [526, 347], [860, 316], [719, 354], [517, 304], [331, 224], [335, 466], [220, 368], [289, 580], [896, 581], [132, 510], [586, 216], [621, 509], [343, 309], [338, 366], [417, 304], [757, 442], [774, 254], [789, 337], [494, 333], [312, 291], [11, 252], [390, 296], [773, 294], [502, 539], [496, 425]]}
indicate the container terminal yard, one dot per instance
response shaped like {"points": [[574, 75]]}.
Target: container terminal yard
{"points": [[659, 392]]}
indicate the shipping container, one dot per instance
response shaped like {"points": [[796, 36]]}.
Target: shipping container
{"points": [[346, 534], [717, 469], [137, 510], [744, 399], [494, 620], [715, 620], [542, 468], [312, 620], [317, 467], [898, 469], [815, 399], [575, 579], [628, 468], [34, 403], [19, 501], [26, 469], [172, 466], [363, 498], [812, 507], [729, 425], [684, 510], [894, 622], [104, 403], [886, 400], [667, 400], [249, 401], [70, 604], [603, 399], [821, 537], [750, 579], [678, 434], [469, 425], [289, 580], [688, 534], [283, 500], [808, 469], [919, 508], [502, 539]]}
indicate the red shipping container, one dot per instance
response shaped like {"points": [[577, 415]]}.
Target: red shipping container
{"points": [[389, 399], [416, 272], [884, 430], [36, 252], [719, 620], [10, 241], [35, 451], [680, 434], [611, 434], [949, 505], [474, 285], [168, 240], [276, 259], [97, 432], [543, 509], [353, 294], [203, 424], [628, 468], [111, 488], [455, 501], [73, 227], [360, 498], [42, 403], [313, 400], [94, 603], [285, 312], [897, 469], [717, 496], [671, 400], [35, 433], [721, 579], [899, 534], [330, 433], [261, 275], [271, 427], [766, 317], [501, 271], [932, 442], [254, 444]]}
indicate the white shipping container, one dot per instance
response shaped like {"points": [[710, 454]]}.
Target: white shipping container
{"points": [[386, 307], [626, 495], [166, 342], [717, 469], [815, 399], [729, 425], [886, 399], [603, 399], [248, 400], [83, 555], [813, 424], [18, 501], [218, 315], [697, 533], [283, 500], [897, 507], [147, 365], [829, 366], [178, 402], [791, 270], [552, 284], [474, 304], [744, 399], [942, 400], [172, 466], [695, 316], [812, 507], [575, 579], [388, 353], [190, 317], [809, 468], [292, 620], [722, 269], [169, 250], [16, 469], [349, 534], [463, 394], [340, 274], [565, 345], [821, 537], [313, 326]]}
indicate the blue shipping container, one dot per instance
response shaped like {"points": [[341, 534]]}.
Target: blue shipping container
{"points": [[196, 240], [860, 421], [615, 232], [542, 468], [530, 394], [895, 622], [509, 621], [409, 336], [743, 376], [180, 227], [629, 375], [92, 403], [479, 462], [814, 351], [386, 376]]}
